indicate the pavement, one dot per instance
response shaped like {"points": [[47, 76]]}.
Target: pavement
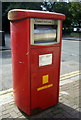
{"points": [[69, 105], [72, 38], [7, 43]]}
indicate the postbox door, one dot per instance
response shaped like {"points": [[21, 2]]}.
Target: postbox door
{"points": [[45, 65]]}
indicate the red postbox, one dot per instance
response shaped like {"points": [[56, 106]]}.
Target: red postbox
{"points": [[36, 50]]}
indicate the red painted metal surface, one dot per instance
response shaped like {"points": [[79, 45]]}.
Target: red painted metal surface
{"points": [[27, 75], [49, 96], [21, 63], [16, 14]]}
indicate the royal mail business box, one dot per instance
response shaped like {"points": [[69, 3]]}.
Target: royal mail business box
{"points": [[36, 38]]}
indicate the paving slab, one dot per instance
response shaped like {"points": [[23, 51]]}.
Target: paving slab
{"points": [[68, 106]]}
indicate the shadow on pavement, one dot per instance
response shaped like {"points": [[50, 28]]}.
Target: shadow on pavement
{"points": [[6, 54], [57, 112]]}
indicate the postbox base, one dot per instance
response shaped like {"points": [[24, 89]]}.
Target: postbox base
{"points": [[35, 111]]}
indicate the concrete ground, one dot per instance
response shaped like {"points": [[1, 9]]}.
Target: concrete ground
{"points": [[69, 105]]}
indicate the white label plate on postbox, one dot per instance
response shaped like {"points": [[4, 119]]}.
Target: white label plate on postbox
{"points": [[45, 59]]}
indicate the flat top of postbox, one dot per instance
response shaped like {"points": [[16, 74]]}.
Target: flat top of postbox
{"points": [[20, 14]]}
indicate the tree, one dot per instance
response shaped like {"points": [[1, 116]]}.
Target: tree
{"points": [[63, 7], [47, 5], [72, 10], [75, 11], [6, 6]]}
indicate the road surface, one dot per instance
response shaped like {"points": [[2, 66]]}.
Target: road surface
{"points": [[70, 61]]}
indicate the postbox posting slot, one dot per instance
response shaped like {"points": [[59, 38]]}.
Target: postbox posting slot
{"points": [[45, 32]]}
